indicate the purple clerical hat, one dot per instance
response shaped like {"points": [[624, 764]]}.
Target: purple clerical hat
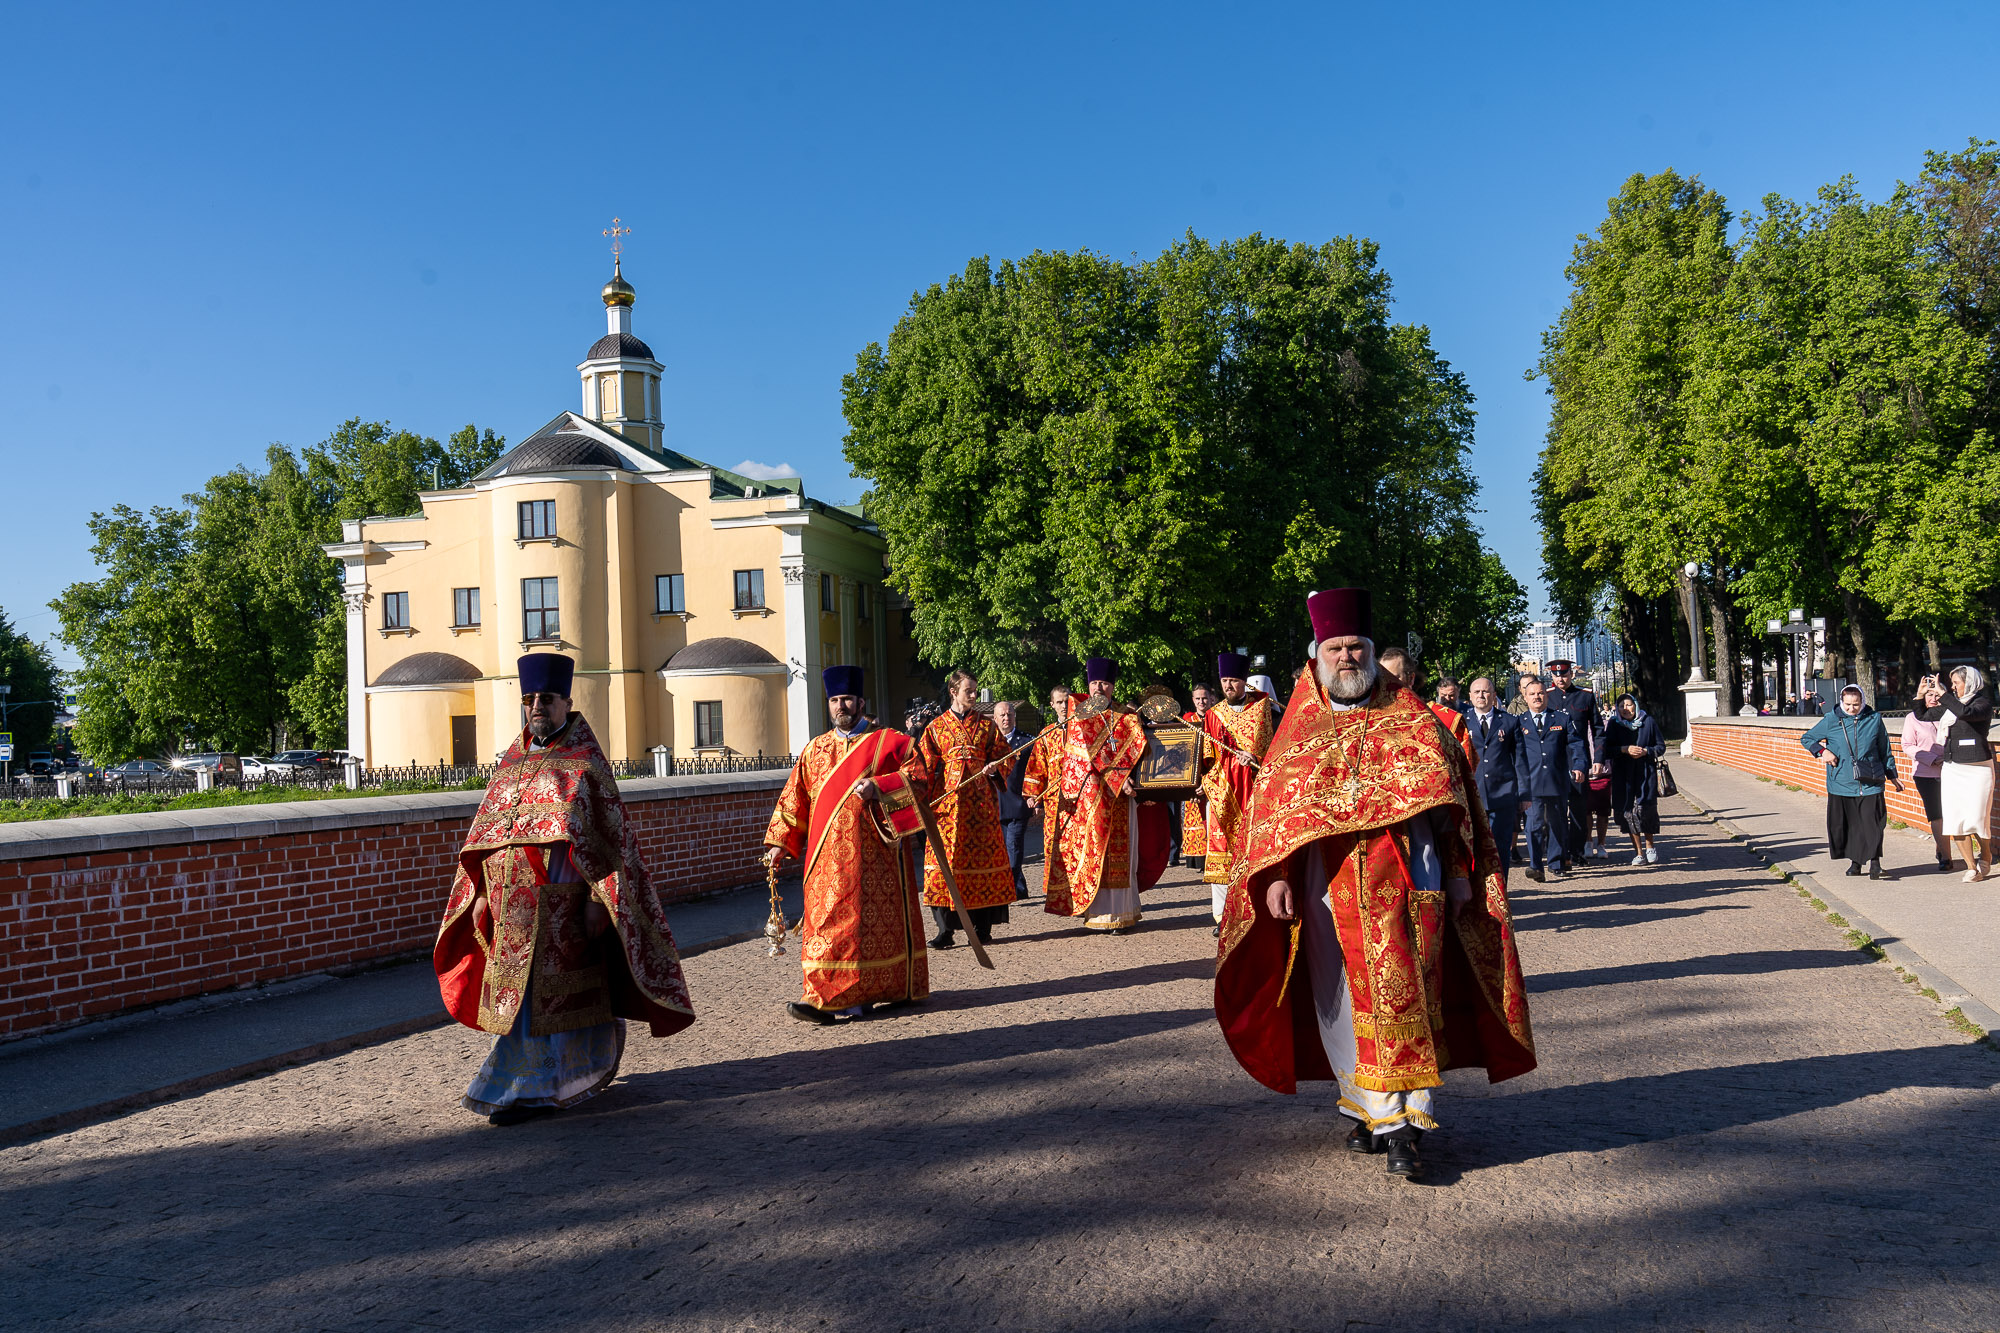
{"points": [[1232, 666], [842, 680], [550, 672], [1339, 612], [1100, 668]]}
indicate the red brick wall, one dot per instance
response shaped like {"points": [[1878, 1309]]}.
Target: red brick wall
{"points": [[90, 935], [1775, 752]]}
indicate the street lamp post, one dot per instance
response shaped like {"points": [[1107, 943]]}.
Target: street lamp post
{"points": [[1798, 632]]}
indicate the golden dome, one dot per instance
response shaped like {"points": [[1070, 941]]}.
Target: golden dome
{"points": [[618, 291]]}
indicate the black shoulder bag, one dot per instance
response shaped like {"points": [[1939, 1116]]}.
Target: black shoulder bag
{"points": [[1869, 770]]}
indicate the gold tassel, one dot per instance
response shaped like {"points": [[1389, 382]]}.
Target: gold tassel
{"points": [[1291, 957]]}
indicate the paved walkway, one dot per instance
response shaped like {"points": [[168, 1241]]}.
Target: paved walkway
{"points": [[1739, 1123], [98, 1069], [1930, 921]]}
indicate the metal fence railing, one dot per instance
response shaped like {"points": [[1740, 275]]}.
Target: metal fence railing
{"points": [[434, 777]]}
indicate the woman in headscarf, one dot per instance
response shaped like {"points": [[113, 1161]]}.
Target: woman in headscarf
{"points": [[1632, 740], [1854, 745], [1966, 776], [1924, 749]]}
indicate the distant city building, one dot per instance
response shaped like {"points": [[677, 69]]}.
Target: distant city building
{"points": [[699, 604], [1547, 641]]}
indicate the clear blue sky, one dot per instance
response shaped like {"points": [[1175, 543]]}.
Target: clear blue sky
{"points": [[226, 226]]}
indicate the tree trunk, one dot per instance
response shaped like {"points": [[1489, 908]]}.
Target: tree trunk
{"points": [[1654, 644], [1857, 633], [1721, 611]]}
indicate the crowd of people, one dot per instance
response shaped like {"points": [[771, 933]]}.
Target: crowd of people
{"points": [[1357, 837]]}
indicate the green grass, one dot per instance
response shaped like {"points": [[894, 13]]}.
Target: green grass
{"points": [[137, 803]]}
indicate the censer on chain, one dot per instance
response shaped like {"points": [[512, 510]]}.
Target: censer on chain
{"points": [[775, 929]]}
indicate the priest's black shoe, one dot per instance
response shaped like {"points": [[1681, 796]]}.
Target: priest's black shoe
{"points": [[1403, 1159], [943, 942], [805, 1013], [1362, 1139], [1875, 871], [514, 1115], [1853, 868]]}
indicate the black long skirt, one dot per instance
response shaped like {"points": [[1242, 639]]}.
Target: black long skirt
{"points": [[1854, 826]]}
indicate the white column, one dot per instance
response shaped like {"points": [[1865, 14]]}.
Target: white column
{"points": [[800, 652], [849, 589], [355, 594]]}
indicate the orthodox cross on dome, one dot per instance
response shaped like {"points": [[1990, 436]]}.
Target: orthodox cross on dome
{"points": [[614, 231]]}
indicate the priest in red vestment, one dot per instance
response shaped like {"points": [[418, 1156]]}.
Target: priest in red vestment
{"points": [[958, 761], [553, 935], [1367, 938], [1111, 845], [1041, 786], [1194, 810], [1240, 728], [863, 932]]}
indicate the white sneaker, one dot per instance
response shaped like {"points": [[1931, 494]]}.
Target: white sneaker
{"points": [[1599, 853], [1639, 860], [1652, 856]]}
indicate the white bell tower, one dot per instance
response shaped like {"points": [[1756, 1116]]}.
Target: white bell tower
{"points": [[621, 379]]}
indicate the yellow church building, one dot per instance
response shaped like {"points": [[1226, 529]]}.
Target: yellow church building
{"points": [[700, 605]]}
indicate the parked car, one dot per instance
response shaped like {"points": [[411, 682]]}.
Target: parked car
{"points": [[188, 763], [138, 773], [293, 763], [42, 764]]}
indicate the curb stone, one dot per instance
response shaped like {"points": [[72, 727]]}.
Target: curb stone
{"points": [[1893, 950]]}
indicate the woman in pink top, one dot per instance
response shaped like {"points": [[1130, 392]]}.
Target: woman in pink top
{"points": [[1920, 742]]}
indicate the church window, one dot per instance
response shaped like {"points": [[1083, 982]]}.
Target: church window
{"points": [[861, 601], [669, 594], [538, 610], [749, 589], [464, 607], [827, 604], [708, 724], [395, 610], [607, 394], [537, 519]]}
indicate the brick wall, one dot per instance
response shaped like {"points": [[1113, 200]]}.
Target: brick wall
{"points": [[142, 909], [1770, 748]]}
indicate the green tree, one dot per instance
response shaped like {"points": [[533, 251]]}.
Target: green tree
{"points": [[220, 623], [1071, 455], [1625, 492], [30, 673]]}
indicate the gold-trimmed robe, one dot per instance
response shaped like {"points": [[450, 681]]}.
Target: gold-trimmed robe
{"points": [[541, 803], [863, 933], [1245, 727], [1430, 992], [1099, 754], [1042, 784], [966, 809]]}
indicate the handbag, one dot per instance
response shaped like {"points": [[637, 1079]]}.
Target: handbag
{"points": [[1668, 787], [1867, 769]]}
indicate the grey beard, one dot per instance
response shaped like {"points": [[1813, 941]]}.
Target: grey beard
{"points": [[1349, 687], [544, 729]]}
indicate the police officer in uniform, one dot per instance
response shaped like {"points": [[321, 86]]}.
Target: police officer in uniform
{"points": [[1503, 765], [1581, 705], [1555, 756]]}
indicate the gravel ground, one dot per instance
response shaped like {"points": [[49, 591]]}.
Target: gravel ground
{"points": [[1739, 1123]]}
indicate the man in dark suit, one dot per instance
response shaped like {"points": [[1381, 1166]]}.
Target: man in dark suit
{"points": [[1581, 705], [1555, 756], [1015, 812], [1503, 765]]}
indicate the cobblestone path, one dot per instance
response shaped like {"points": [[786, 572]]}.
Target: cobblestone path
{"points": [[1739, 1123]]}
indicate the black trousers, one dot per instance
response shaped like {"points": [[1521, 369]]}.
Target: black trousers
{"points": [[1854, 826], [983, 918], [1579, 818]]}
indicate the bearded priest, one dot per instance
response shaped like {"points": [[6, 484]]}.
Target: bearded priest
{"points": [[1240, 727], [863, 934], [553, 935], [1367, 938]]}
